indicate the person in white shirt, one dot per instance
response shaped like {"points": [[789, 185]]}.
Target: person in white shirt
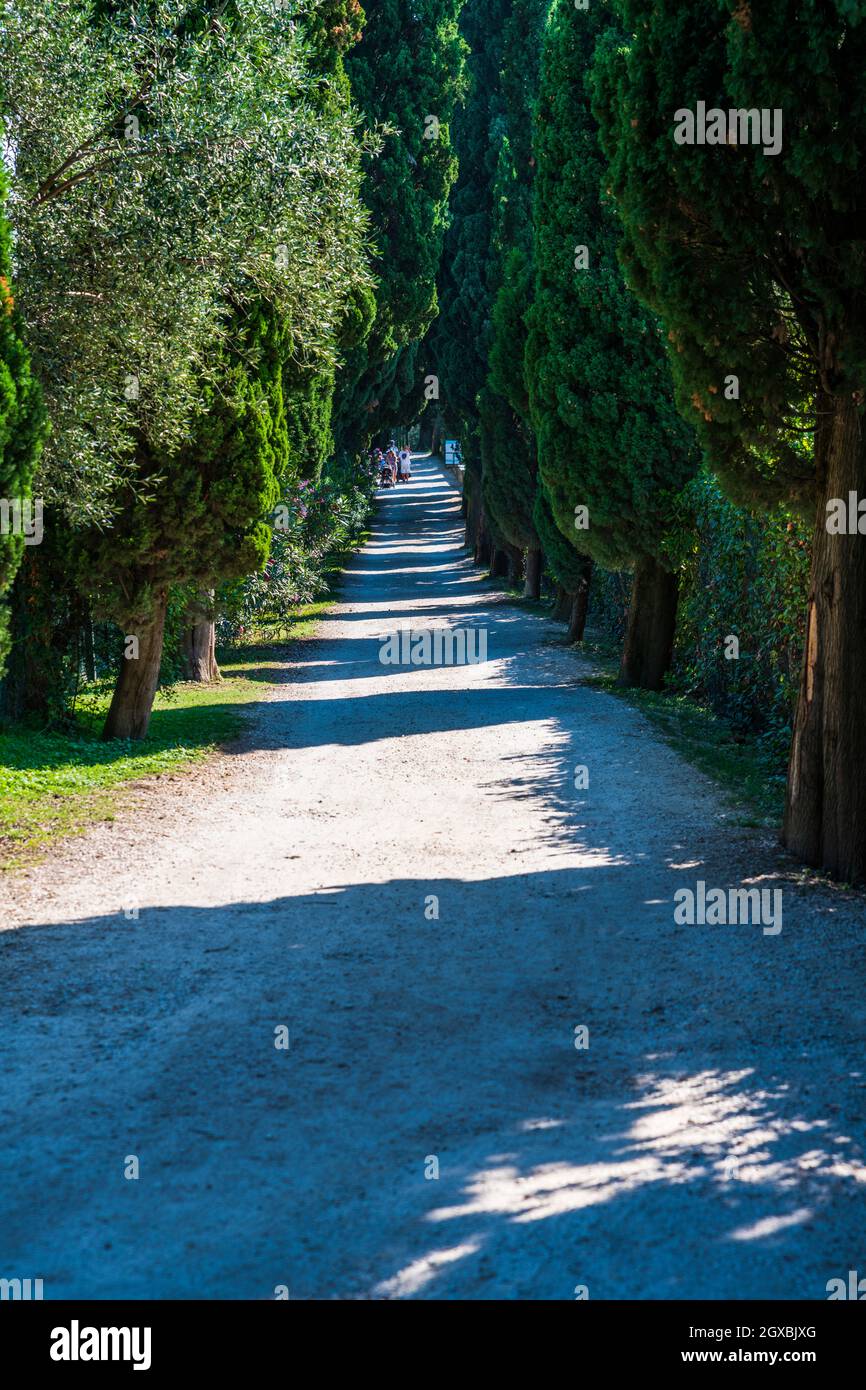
{"points": [[405, 464]]}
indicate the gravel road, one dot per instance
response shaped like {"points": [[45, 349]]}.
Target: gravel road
{"points": [[394, 865]]}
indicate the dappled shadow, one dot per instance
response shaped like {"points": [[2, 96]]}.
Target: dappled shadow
{"points": [[678, 1155], [707, 1142]]}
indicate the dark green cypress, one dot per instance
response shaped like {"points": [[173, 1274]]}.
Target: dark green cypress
{"points": [[609, 436], [755, 260], [198, 516], [406, 72], [509, 461], [22, 431], [459, 339], [571, 570]]}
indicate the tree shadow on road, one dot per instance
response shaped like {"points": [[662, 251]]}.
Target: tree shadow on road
{"points": [[707, 1142]]}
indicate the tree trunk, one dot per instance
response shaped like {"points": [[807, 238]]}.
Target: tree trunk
{"points": [[41, 636], [562, 605], [532, 582], [579, 607], [198, 644], [483, 546], [515, 564], [132, 701], [199, 652], [470, 512], [825, 810], [652, 616], [516, 570], [432, 432], [89, 652], [499, 564]]}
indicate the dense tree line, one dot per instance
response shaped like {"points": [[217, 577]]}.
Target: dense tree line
{"points": [[240, 242], [609, 437], [757, 266], [653, 349], [226, 221], [405, 75], [21, 430]]}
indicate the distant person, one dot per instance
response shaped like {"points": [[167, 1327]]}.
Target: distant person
{"points": [[405, 461]]}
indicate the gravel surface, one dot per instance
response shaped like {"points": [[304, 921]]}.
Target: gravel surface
{"points": [[395, 866]]}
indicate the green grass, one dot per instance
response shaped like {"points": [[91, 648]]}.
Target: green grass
{"points": [[740, 765], [56, 784]]}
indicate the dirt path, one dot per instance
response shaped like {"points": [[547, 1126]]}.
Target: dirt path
{"points": [[707, 1143]]}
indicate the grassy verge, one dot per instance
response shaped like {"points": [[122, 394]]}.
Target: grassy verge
{"points": [[741, 765], [56, 784]]}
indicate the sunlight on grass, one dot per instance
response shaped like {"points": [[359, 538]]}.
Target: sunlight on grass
{"points": [[54, 784], [59, 783]]}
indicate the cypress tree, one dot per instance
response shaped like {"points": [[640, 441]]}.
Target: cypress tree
{"points": [[405, 74], [334, 27], [22, 430], [571, 570], [197, 516], [509, 463], [299, 396], [458, 341], [609, 437], [751, 247], [131, 262]]}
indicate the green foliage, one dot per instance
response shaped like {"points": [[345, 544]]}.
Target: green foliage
{"points": [[609, 599], [508, 447], [22, 426], [321, 521], [406, 70], [309, 386], [201, 514], [188, 226], [609, 436], [754, 262], [747, 576], [169, 160], [742, 575], [459, 338], [564, 563]]}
